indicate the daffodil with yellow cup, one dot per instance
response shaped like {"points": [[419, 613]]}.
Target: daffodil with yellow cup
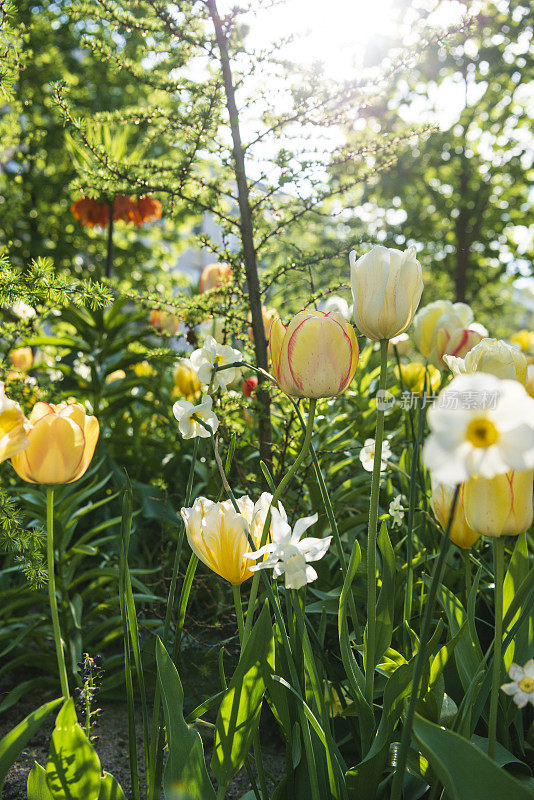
{"points": [[315, 356]]}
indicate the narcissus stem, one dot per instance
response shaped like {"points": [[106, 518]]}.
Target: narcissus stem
{"points": [[52, 591], [498, 562], [371, 535]]}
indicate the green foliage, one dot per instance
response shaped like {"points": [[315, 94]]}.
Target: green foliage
{"points": [[185, 768], [239, 712]]}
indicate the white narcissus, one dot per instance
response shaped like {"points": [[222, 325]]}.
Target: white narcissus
{"points": [[213, 355], [183, 410], [396, 510], [386, 286], [479, 425], [493, 356], [522, 686], [367, 454], [290, 555]]}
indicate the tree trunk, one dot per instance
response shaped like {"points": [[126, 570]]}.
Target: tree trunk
{"points": [[247, 236]]}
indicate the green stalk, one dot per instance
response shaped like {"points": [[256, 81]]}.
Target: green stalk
{"points": [[437, 574], [154, 737], [236, 590], [52, 591], [274, 503], [371, 536], [498, 561]]}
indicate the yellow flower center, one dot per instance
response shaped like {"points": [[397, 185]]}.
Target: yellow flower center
{"points": [[526, 685], [482, 432]]}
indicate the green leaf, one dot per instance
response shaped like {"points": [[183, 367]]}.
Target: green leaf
{"points": [[466, 772], [520, 647], [386, 600], [73, 767], [14, 741], [239, 712], [466, 652], [37, 786], [185, 766], [110, 789]]}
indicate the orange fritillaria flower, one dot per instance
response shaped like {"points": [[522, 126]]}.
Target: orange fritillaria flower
{"points": [[92, 212]]}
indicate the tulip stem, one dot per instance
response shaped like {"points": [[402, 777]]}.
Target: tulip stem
{"points": [[498, 562], [371, 535], [274, 502], [239, 611], [437, 574], [52, 591]]}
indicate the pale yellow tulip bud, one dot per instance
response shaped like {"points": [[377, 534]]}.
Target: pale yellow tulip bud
{"points": [[62, 441], [386, 286], [22, 358], [458, 343], [499, 506], [494, 357], [441, 503], [14, 427], [217, 534], [315, 356], [213, 276], [444, 327], [413, 377], [269, 315], [186, 382]]}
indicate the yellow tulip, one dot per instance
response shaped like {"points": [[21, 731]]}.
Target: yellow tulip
{"points": [[494, 357], [13, 427], [499, 506], [413, 377], [441, 503], [524, 339], [386, 286], [143, 369], [217, 534], [62, 441], [315, 356], [442, 328], [22, 358], [186, 382], [213, 276]]}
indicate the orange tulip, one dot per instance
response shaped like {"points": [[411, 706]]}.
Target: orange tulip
{"points": [[213, 276], [62, 441], [22, 358]]}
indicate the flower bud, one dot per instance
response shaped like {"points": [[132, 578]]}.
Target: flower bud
{"points": [[249, 385], [499, 506], [213, 276], [315, 356], [458, 343], [61, 443], [186, 382], [444, 327], [164, 322], [386, 286], [494, 357], [22, 358], [13, 427], [441, 503], [415, 375], [268, 315]]}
